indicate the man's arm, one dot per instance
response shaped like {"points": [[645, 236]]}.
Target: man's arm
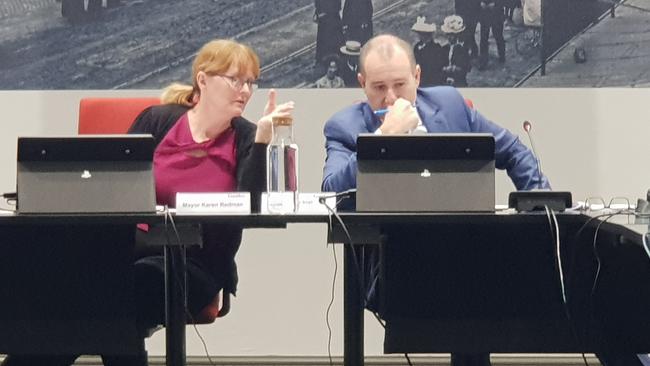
{"points": [[340, 171], [511, 154]]}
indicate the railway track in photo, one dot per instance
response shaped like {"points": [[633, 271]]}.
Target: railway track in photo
{"points": [[147, 44]]}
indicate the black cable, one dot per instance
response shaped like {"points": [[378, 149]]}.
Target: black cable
{"points": [[596, 254], [350, 244], [645, 242], [408, 359], [555, 233], [354, 256], [11, 198], [575, 246], [329, 306], [183, 285], [379, 319], [575, 242]]}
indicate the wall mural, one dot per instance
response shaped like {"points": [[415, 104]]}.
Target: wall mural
{"points": [[146, 44]]}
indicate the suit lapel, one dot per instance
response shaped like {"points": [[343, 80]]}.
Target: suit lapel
{"points": [[431, 116]]}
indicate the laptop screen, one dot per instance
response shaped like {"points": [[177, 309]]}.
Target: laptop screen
{"points": [[426, 173], [85, 174]]}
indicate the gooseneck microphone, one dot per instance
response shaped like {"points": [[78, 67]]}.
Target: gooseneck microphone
{"points": [[527, 127], [543, 199]]}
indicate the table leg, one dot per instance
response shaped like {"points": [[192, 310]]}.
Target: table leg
{"points": [[175, 299], [352, 310]]}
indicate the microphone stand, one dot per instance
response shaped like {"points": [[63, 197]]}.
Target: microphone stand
{"points": [[538, 200]]}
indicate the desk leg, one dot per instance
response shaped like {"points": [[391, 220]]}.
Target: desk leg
{"points": [[175, 286], [352, 311]]}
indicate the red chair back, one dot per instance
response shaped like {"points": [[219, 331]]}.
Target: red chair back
{"points": [[110, 115]]}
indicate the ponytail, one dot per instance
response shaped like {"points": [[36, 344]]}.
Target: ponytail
{"points": [[177, 93]]}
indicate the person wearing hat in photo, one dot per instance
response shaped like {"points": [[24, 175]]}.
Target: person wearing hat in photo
{"points": [[458, 59], [357, 20], [331, 79], [431, 56], [329, 35], [469, 11], [350, 68], [491, 18]]}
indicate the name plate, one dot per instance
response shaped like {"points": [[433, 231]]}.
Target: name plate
{"points": [[308, 203], [213, 203], [277, 203]]}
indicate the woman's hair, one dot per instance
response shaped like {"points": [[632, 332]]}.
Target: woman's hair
{"points": [[215, 57]]}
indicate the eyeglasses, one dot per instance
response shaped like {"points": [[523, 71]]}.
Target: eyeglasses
{"points": [[237, 83]]}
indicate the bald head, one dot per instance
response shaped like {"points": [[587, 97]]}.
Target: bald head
{"points": [[385, 46]]}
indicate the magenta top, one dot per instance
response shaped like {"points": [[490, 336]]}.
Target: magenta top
{"points": [[183, 165]]}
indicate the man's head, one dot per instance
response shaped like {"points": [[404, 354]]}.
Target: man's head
{"points": [[331, 70], [388, 71]]}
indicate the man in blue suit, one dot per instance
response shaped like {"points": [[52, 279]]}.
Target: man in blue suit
{"points": [[390, 78]]}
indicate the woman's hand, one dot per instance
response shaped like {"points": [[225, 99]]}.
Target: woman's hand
{"points": [[271, 110]]}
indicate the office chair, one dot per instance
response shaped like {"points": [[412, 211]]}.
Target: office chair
{"points": [[115, 116]]}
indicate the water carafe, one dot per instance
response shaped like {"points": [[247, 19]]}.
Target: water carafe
{"points": [[282, 168]]}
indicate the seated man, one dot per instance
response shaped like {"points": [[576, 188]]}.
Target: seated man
{"points": [[390, 78]]}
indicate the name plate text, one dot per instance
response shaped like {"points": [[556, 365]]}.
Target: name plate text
{"points": [[213, 203]]}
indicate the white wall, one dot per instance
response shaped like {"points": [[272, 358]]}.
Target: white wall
{"points": [[592, 142]]}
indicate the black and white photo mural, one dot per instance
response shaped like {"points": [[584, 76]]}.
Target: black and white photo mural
{"points": [[146, 44]]}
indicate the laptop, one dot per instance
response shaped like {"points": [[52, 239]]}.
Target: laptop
{"points": [[85, 174], [448, 172]]}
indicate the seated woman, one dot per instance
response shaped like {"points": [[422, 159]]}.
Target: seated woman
{"points": [[203, 145]]}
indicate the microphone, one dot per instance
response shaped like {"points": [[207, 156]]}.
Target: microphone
{"points": [[536, 200], [345, 194], [527, 127]]}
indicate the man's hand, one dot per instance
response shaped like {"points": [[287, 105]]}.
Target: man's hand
{"points": [[402, 117], [271, 110]]}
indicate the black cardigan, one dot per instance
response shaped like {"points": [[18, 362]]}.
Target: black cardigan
{"points": [[221, 242]]}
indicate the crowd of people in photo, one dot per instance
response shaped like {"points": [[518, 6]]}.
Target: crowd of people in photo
{"points": [[446, 53]]}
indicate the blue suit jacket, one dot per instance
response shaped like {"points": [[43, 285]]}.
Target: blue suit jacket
{"points": [[442, 109]]}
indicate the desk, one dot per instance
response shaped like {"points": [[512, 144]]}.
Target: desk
{"points": [[109, 335], [516, 307], [67, 282]]}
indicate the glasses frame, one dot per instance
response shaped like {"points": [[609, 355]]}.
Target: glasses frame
{"points": [[237, 83]]}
